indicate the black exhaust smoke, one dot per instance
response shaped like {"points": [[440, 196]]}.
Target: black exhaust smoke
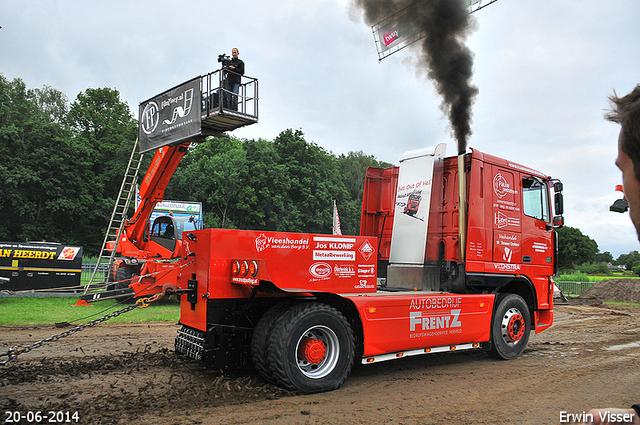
{"points": [[448, 62]]}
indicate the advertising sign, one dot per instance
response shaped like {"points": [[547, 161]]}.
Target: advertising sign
{"points": [[170, 117], [413, 198], [396, 33], [39, 265], [179, 209]]}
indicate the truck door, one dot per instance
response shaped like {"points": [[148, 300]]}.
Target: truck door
{"points": [[163, 232], [537, 244], [507, 226]]}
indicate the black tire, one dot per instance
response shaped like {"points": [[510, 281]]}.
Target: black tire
{"points": [[260, 337], [311, 348], [510, 328], [111, 279], [124, 275]]}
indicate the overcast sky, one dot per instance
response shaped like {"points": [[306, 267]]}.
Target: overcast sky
{"points": [[543, 70]]}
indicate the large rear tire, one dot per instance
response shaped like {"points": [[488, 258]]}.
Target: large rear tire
{"points": [[311, 348], [510, 328], [260, 337]]}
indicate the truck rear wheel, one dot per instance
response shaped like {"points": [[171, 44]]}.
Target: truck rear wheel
{"points": [[510, 328], [311, 348]]}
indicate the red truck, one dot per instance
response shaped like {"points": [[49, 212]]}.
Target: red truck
{"points": [[475, 272]]}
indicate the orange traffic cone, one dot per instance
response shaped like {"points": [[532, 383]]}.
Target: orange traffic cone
{"points": [[82, 303]]}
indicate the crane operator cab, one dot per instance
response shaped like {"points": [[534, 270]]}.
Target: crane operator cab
{"points": [[167, 229]]}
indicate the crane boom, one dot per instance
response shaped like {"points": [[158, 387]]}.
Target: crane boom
{"points": [[164, 164]]}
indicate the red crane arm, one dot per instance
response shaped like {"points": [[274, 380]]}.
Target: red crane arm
{"points": [[164, 164]]}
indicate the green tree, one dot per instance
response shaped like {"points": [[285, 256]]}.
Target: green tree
{"points": [[53, 103], [43, 194], [103, 125], [604, 257], [629, 260], [574, 248], [315, 183], [285, 185], [271, 183]]}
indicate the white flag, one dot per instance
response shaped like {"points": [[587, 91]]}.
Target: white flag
{"points": [[336, 220]]}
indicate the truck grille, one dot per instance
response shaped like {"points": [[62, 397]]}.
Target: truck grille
{"points": [[190, 342]]}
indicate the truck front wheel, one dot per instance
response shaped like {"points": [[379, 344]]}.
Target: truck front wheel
{"points": [[510, 328], [311, 348]]}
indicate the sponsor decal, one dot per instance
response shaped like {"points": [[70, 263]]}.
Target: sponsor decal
{"points": [[334, 255], [364, 284], [507, 254], [391, 36], [507, 205], [433, 325], [476, 247], [150, 118], [435, 303], [525, 169], [245, 280], [502, 220], [366, 249], [504, 267], [320, 270], [263, 242], [344, 270], [510, 242], [502, 187], [23, 253], [366, 270], [180, 110], [434, 316], [68, 253], [540, 246]]}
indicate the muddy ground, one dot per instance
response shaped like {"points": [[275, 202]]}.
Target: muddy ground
{"points": [[120, 374]]}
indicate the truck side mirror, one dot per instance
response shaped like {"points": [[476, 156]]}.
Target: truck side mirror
{"points": [[558, 202], [558, 221]]}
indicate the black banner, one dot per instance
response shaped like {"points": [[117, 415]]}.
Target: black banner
{"points": [[39, 265], [170, 117]]}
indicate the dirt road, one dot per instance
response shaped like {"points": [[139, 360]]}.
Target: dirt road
{"points": [[117, 374]]}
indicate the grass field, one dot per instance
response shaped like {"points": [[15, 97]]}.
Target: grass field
{"points": [[582, 277], [26, 311]]}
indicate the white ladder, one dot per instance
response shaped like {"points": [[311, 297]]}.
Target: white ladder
{"points": [[118, 216]]}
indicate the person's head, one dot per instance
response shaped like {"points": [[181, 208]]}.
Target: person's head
{"points": [[235, 52], [626, 112]]}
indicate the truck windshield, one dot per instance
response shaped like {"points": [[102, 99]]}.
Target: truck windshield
{"points": [[168, 227], [535, 199]]}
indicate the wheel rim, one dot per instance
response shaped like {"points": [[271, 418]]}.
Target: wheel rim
{"points": [[513, 326], [317, 352]]}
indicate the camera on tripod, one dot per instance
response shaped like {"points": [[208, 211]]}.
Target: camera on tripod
{"points": [[225, 60]]}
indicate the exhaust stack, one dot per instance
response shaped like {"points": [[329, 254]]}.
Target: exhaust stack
{"points": [[462, 207]]}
